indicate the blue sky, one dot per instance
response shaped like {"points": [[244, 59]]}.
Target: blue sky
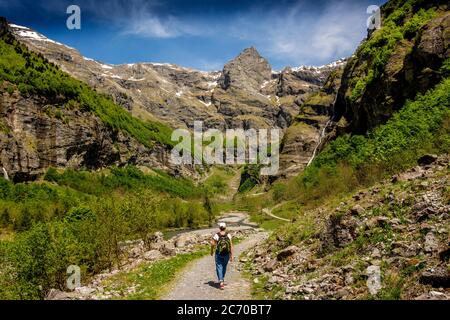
{"points": [[202, 34]]}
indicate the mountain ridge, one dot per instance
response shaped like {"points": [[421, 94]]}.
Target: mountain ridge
{"points": [[171, 89]]}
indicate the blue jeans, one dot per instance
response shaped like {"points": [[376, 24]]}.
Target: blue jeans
{"points": [[221, 265]]}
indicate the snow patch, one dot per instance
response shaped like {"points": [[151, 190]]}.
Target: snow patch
{"points": [[212, 84], [15, 26], [133, 79], [205, 103], [319, 69], [265, 83]]}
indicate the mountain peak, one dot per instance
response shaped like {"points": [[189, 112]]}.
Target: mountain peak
{"points": [[248, 69], [252, 51]]}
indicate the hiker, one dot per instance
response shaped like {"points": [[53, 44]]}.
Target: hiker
{"points": [[223, 248]]}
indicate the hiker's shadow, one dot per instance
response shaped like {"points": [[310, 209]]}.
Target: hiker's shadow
{"points": [[213, 284]]}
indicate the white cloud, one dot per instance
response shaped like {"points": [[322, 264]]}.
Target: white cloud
{"points": [[140, 18], [153, 27], [295, 35]]}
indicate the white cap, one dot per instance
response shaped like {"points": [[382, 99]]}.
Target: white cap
{"points": [[222, 225]]}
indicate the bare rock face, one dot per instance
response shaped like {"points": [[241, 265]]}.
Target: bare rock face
{"points": [[247, 71]]}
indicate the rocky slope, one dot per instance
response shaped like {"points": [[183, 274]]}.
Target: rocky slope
{"points": [[246, 93], [390, 241]]}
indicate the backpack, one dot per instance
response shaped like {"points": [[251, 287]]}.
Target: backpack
{"points": [[223, 244]]}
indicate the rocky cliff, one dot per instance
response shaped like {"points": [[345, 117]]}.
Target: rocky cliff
{"points": [[311, 128], [247, 93]]}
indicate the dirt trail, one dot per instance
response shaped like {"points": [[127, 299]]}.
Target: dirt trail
{"points": [[268, 211], [198, 280]]}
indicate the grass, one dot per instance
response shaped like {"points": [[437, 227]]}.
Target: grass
{"points": [[152, 280], [266, 222]]}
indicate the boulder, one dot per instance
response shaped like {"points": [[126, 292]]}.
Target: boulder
{"points": [[357, 210], [438, 277], [168, 249], [373, 279], [270, 266], [185, 239], [427, 159], [288, 252], [85, 291], [55, 294], [433, 295], [377, 222], [431, 243], [152, 255]]}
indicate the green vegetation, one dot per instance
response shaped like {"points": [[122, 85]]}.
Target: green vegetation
{"points": [[249, 178], [218, 180], [77, 217], [402, 24], [127, 178], [32, 74], [3, 127]]}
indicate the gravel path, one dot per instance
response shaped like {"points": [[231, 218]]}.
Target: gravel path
{"points": [[198, 280]]}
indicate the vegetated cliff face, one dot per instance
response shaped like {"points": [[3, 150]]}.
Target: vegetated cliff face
{"points": [[38, 132], [308, 131], [395, 63], [390, 240], [246, 93]]}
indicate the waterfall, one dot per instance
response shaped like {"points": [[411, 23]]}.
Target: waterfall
{"points": [[322, 135], [5, 173]]}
